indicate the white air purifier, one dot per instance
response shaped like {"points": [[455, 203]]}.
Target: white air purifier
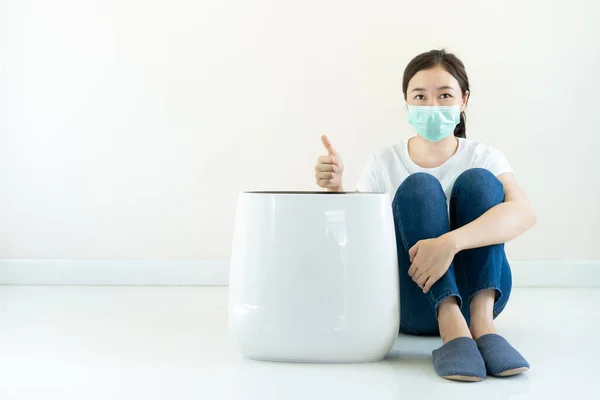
{"points": [[314, 277]]}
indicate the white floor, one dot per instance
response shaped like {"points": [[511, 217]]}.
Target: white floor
{"points": [[78, 342]]}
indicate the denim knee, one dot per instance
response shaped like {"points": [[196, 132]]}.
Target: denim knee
{"points": [[419, 209], [479, 188], [419, 187]]}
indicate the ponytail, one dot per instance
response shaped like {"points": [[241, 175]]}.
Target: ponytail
{"points": [[461, 129]]}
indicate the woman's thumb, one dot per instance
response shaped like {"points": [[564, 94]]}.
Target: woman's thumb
{"points": [[327, 144]]}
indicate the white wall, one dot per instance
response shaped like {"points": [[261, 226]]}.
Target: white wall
{"points": [[127, 127]]}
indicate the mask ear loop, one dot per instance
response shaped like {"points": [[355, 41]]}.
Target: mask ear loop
{"points": [[404, 108]]}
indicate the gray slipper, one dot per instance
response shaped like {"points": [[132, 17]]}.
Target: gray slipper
{"points": [[501, 359], [459, 360]]}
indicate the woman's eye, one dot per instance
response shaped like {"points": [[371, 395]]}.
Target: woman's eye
{"points": [[419, 97], [445, 96]]}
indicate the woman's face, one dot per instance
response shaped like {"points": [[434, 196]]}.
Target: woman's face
{"points": [[435, 87]]}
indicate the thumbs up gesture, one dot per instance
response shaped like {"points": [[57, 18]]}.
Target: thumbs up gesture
{"points": [[329, 168]]}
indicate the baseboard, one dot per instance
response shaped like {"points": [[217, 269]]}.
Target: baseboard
{"points": [[114, 272], [216, 272]]}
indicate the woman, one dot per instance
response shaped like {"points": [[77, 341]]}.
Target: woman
{"points": [[455, 204]]}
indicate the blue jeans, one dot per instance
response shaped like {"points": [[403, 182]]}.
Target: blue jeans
{"points": [[420, 212]]}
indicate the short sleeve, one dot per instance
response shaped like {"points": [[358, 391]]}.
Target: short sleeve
{"points": [[368, 179], [496, 163]]}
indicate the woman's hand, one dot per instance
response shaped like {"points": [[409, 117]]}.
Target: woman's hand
{"points": [[430, 260], [329, 168]]}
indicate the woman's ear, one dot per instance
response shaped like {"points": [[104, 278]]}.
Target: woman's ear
{"points": [[464, 102]]}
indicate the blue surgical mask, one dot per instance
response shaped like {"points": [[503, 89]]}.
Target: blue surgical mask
{"points": [[434, 123]]}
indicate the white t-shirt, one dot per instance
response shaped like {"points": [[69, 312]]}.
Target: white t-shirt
{"points": [[387, 168]]}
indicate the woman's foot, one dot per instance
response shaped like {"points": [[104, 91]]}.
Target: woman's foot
{"points": [[482, 313], [458, 359], [451, 322], [501, 359]]}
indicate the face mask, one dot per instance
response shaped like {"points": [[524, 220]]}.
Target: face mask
{"points": [[434, 123]]}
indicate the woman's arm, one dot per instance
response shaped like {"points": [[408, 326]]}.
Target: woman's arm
{"points": [[499, 224]]}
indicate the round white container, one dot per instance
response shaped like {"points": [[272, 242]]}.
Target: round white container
{"points": [[314, 277]]}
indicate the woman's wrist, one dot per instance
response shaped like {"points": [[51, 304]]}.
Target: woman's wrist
{"points": [[453, 240]]}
